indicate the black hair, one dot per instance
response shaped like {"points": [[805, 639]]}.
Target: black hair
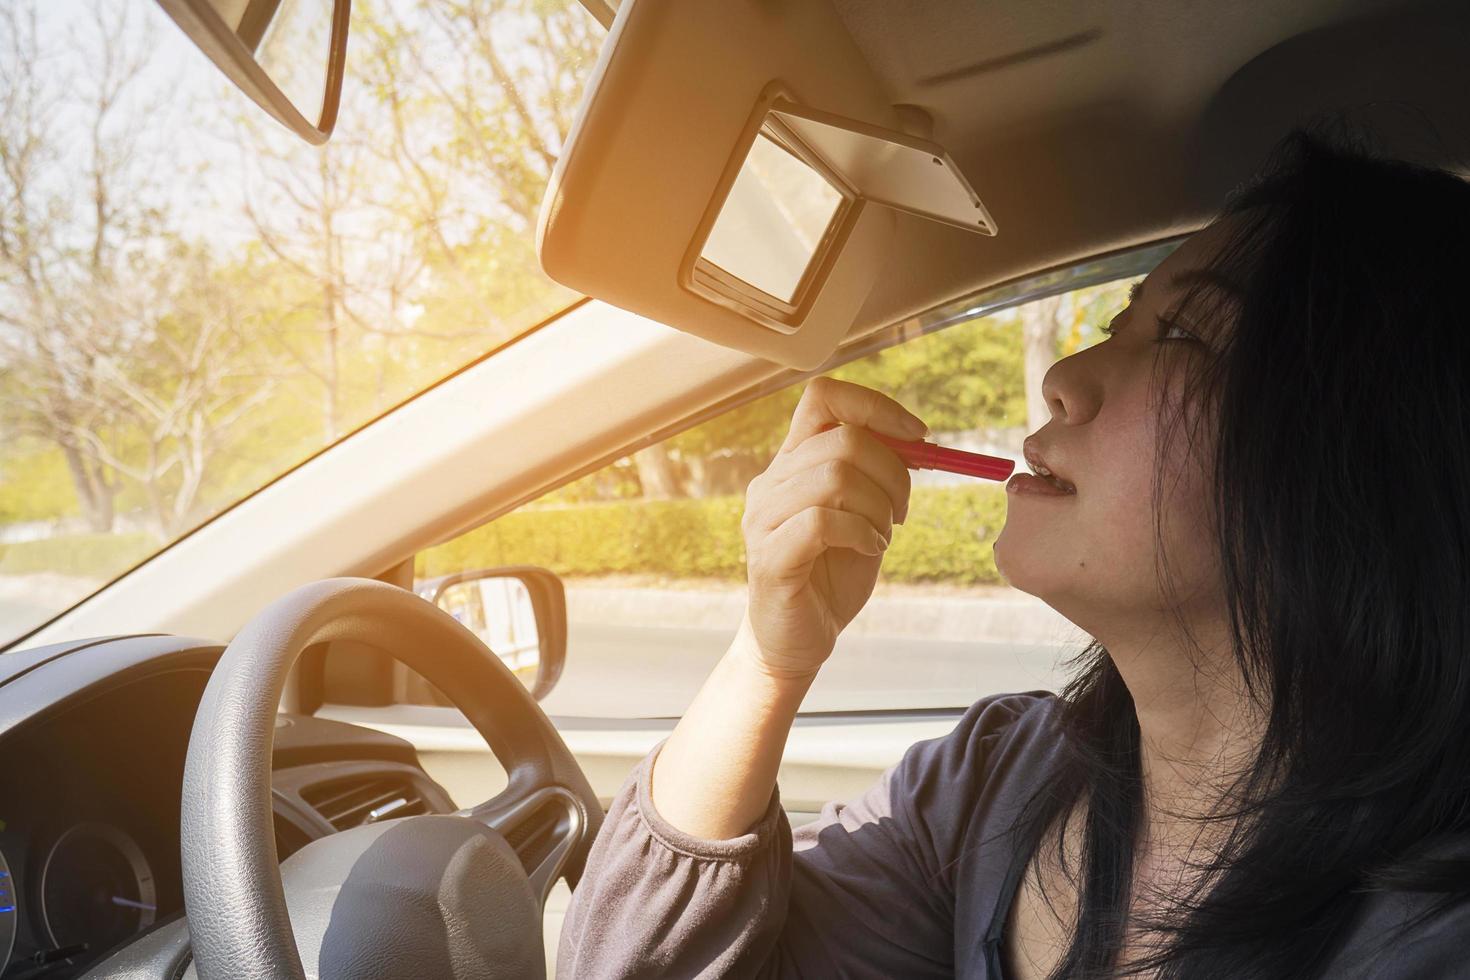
{"points": [[1341, 512]]}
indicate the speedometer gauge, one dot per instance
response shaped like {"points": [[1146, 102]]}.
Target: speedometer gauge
{"points": [[96, 888], [7, 913]]}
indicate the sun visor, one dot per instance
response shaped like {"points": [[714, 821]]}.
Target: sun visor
{"points": [[733, 173]]}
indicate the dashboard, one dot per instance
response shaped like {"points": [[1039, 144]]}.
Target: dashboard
{"points": [[93, 740]]}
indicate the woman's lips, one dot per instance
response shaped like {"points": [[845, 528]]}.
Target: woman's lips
{"points": [[1028, 483]]}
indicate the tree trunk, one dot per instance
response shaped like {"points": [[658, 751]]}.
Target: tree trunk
{"points": [[656, 473], [700, 484], [93, 492]]}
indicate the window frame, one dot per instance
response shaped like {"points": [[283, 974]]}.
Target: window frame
{"points": [[1106, 268]]}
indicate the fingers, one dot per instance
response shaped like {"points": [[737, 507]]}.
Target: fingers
{"points": [[827, 401], [789, 550], [829, 457], [835, 484]]}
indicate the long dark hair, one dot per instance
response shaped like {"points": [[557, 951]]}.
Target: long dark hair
{"points": [[1341, 510]]}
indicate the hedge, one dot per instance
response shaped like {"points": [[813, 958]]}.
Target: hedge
{"points": [[90, 555], [948, 538]]}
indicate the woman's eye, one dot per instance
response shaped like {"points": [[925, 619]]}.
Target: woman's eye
{"points": [[1169, 330]]}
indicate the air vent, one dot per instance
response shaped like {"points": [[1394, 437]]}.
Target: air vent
{"points": [[354, 802]]}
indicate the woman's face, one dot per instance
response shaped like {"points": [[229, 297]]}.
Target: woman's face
{"points": [[1091, 554]]}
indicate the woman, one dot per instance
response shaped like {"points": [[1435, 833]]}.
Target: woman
{"points": [[1258, 509]]}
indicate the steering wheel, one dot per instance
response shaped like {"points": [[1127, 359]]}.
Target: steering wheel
{"points": [[427, 896]]}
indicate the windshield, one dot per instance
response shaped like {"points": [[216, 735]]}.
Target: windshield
{"points": [[193, 301]]}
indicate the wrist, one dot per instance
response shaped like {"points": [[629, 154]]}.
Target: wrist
{"points": [[745, 651]]}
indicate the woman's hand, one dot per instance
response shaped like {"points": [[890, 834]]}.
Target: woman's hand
{"points": [[818, 519], [816, 523]]}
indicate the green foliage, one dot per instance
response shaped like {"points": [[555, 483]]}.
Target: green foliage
{"points": [[682, 537], [485, 292], [191, 366], [617, 480], [967, 376], [757, 427], [948, 538], [1091, 309], [97, 556], [35, 484]]}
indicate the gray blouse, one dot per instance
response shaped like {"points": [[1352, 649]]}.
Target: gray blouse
{"points": [[912, 879]]}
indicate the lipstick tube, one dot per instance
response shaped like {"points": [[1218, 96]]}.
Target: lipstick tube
{"points": [[921, 455]]}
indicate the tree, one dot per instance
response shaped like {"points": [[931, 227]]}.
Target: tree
{"points": [[69, 236], [188, 379], [121, 344], [747, 436], [420, 232], [304, 215], [965, 377], [509, 90], [480, 96]]}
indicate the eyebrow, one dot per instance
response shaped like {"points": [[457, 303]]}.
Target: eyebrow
{"points": [[1205, 276]]}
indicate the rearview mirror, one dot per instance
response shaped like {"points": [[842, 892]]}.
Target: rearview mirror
{"points": [[287, 55], [519, 612]]}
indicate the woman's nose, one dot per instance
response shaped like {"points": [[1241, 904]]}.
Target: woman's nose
{"points": [[1071, 390]]}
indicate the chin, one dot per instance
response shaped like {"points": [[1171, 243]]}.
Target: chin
{"points": [[1048, 570], [1021, 567]]}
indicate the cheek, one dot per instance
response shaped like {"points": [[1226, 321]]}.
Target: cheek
{"points": [[1097, 544], [1102, 546], [1099, 557]]}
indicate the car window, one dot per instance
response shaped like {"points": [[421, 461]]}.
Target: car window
{"points": [[651, 553], [193, 301]]}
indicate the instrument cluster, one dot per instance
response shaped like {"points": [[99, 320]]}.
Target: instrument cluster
{"points": [[89, 825]]}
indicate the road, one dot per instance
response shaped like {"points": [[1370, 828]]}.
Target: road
{"points": [[632, 671]]}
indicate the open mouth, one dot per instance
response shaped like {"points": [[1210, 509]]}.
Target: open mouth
{"points": [[1037, 464], [1045, 474]]}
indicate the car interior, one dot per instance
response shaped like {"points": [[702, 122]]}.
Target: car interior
{"points": [[218, 756]]}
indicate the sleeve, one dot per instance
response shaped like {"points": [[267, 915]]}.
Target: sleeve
{"points": [[866, 890], [1405, 936]]}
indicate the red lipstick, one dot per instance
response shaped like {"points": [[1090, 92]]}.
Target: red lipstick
{"points": [[921, 455]]}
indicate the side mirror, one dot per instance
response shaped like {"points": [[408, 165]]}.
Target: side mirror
{"points": [[287, 55], [520, 612]]}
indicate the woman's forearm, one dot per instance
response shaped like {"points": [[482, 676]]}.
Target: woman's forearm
{"points": [[816, 524], [714, 776]]}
